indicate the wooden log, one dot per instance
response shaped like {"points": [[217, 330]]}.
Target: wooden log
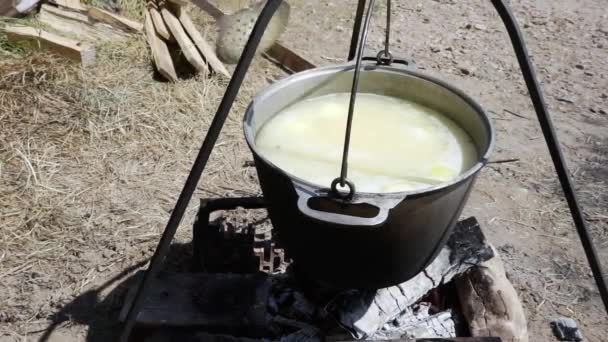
{"points": [[78, 24], [278, 53], [287, 59], [160, 51], [66, 13], [490, 303], [204, 47], [363, 313], [159, 23], [183, 40], [115, 20], [72, 49], [227, 302]]}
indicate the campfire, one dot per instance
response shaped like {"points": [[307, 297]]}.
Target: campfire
{"points": [[244, 287]]}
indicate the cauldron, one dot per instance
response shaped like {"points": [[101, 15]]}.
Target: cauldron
{"points": [[372, 240]]}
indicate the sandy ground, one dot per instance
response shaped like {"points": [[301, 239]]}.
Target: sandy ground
{"points": [[91, 167]]}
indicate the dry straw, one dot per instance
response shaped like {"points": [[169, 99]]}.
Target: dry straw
{"points": [[91, 163]]}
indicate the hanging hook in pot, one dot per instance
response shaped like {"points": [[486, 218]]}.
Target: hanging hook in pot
{"points": [[342, 180], [385, 57]]}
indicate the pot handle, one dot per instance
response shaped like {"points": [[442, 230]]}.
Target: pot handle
{"points": [[341, 219]]}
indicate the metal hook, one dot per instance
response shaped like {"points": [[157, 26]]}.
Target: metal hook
{"points": [[385, 57], [351, 107]]}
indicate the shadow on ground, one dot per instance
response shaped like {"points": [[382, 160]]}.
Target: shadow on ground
{"points": [[101, 316]]}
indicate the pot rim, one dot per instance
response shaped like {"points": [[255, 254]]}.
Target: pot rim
{"points": [[277, 86]]}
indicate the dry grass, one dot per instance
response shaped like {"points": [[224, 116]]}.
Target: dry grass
{"points": [[91, 163]]}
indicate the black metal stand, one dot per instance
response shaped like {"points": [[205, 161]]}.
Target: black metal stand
{"points": [[553, 144], [230, 95], [200, 162], [208, 206]]}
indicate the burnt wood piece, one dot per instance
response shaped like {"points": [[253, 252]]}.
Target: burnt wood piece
{"points": [[490, 303], [167, 336], [278, 53], [206, 337], [222, 302], [455, 339], [363, 313], [418, 321]]}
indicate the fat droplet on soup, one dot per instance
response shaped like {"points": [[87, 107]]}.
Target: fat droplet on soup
{"points": [[396, 145]]}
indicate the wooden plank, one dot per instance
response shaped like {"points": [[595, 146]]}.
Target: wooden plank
{"points": [[159, 23], [74, 5], [204, 47], [278, 53], [288, 59], [160, 51], [115, 20], [78, 24], [72, 49], [66, 13], [185, 43], [221, 301]]}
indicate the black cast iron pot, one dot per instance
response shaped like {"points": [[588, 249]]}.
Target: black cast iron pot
{"points": [[373, 240]]}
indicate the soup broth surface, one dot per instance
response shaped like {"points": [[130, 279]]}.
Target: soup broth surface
{"points": [[396, 145]]}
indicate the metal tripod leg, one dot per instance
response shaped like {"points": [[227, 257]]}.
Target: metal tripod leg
{"points": [[559, 162], [354, 40], [199, 164]]}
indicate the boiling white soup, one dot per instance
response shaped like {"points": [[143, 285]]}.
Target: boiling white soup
{"points": [[396, 145]]}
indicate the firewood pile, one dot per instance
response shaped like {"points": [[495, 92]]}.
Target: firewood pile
{"points": [[72, 29], [167, 24]]}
